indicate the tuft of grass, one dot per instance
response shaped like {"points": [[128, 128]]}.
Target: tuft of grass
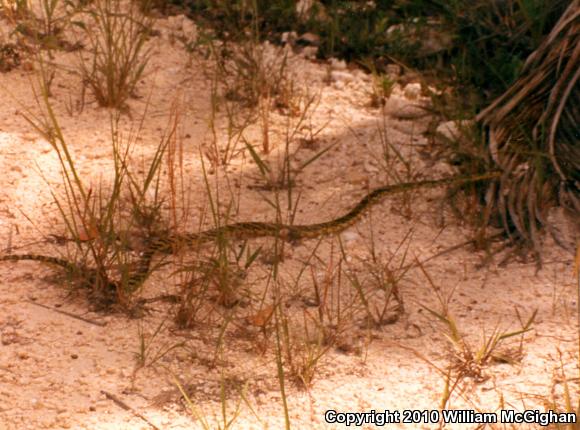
{"points": [[283, 174], [257, 73], [219, 276], [380, 285], [149, 353], [219, 154], [231, 19], [117, 35], [336, 306], [250, 69], [470, 360], [100, 226], [227, 417], [325, 322], [382, 88], [14, 10], [395, 164], [303, 347]]}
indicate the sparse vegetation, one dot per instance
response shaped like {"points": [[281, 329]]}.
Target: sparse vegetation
{"points": [[216, 219], [97, 222], [117, 35], [470, 361], [459, 32]]}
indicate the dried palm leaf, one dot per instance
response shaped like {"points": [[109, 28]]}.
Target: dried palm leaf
{"points": [[534, 133]]}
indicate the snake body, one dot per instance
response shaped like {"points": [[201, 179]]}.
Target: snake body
{"points": [[293, 232], [250, 230]]}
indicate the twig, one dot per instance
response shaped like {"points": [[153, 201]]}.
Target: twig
{"points": [[69, 314], [9, 247], [126, 407], [449, 250], [168, 298]]}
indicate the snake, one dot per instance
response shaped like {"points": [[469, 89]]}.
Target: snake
{"points": [[169, 244]]}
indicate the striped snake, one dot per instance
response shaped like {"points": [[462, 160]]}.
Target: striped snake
{"points": [[250, 230]]}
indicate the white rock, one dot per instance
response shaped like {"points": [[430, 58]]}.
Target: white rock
{"points": [[310, 52], [413, 91], [452, 129], [289, 37], [370, 168], [188, 28], [350, 236], [361, 76], [303, 7], [338, 64], [310, 39], [400, 108], [411, 128], [342, 76]]}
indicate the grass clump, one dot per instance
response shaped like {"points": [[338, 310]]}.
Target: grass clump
{"points": [[238, 19], [469, 360], [117, 36], [104, 224]]}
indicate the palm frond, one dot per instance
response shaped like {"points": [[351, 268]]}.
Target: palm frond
{"points": [[534, 132]]}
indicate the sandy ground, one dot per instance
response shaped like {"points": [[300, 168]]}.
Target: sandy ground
{"points": [[60, 372]]}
